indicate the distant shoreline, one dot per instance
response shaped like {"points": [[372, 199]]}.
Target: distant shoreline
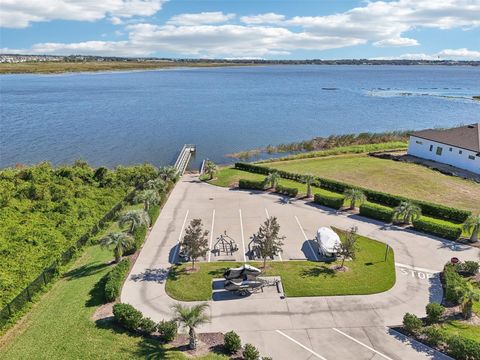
{"points": [[63, 67]]}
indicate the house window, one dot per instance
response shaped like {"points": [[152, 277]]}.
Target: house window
{"points": [[450, 149], [419, 142], [460, 151], [471, 157], [431, 147], [439, 150]]}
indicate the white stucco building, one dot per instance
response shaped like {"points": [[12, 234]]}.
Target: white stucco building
{"points": [[459, 146]]}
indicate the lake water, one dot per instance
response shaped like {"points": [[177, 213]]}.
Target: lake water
{"points": [[133, 117]]}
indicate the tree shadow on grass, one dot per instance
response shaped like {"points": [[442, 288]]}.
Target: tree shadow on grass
{"points": [[97, 293], [151, 349], [175, 272], [316, 271], [85, 270]]}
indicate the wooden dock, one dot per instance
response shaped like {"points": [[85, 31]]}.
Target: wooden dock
{"points": [[184, 158]]}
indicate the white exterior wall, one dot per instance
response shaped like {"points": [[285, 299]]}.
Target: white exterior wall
{"points": [[457, 157]]}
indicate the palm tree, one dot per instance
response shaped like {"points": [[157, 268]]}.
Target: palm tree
{"points": [[191, 318], [210, 168], [309, 179], [354, 196], [272, 179], [407, 212], [168, 173], [135, 218], [120, 242], [469, 294], [156, 184], [472, 225], [149, 197]]}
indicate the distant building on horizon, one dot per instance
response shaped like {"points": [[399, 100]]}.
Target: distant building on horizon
{"points": [[459, 147]]}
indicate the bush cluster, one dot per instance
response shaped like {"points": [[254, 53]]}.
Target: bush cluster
{"points": [[232, 342], [437, 227], [114, 279], [461, 348], [251, 184], [452, 282], [434, 312], [429, 209], [412, 323], [433, 335], [132, 319], [333, 200], [377, 212], [468, 268], [250, 352], [292, 192]]}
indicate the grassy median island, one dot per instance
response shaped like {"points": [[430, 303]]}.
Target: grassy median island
{"points": [[368, 274]]}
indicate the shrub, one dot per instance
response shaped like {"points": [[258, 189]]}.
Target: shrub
{"points": [[292, 192], [147, 325], [434, 312], [461, 348], [167, 330], [412, 323], [332, 200], [468, 268], [250, 352], [378, 212], [153, 212], [250, 184], [232, 342], [437, 227], [127, 316], [433, 335], [115, 278], [452, 281]]}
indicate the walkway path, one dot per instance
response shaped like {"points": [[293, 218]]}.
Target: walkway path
{"points": [[337, 327]]}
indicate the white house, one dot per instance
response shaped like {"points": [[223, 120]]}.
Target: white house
{"points": [[459, 146]]}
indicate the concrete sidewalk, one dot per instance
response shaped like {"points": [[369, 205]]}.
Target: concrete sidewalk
{"points": [[346, 327]]}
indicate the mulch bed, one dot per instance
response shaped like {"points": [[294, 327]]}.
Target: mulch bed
{"points": [[207, 342]]}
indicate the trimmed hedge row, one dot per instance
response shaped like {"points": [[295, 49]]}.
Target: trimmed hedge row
{"points": [[251, 184], [438, 228], [114, 280], [334, 201], [429, 209], [292, 192], [452, 282], [377, 212]]}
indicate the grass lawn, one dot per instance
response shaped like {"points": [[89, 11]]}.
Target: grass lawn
{"points": [[455, 327], [368, 274], [60, 325], [394, 177]]}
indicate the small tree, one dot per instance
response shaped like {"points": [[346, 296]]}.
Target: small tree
{"points": [[191, 318], [468, 294], [309, 179], [135, 219], [148, 197], [210, 169], [348, 247], [232, 342], [156, 184], [269, 240], [434, 312], [407, 212], [250, 352], [119, 241], [412, 323], [272, 179], [472, 226], [355, 196], [168, 173], [195, 241]]}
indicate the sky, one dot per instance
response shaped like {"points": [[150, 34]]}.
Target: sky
{"points": [[243, 29]]}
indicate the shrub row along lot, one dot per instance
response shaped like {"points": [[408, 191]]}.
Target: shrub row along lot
{"points": [[367, 274]]}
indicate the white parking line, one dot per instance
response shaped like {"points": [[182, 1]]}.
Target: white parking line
{"points": [[243, 238], [306, 238], [180, 238], [301, 345], [417, 268], [360, 343], [268, 216], [211, 237]]}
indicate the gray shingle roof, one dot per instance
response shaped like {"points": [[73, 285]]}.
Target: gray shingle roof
{"points": [[465, 137]]}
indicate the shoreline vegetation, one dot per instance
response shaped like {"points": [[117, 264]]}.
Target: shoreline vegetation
{"points": [[58, 67], [321, 144]]}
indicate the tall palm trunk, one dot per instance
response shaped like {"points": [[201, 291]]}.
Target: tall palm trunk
{"points": [[474, 237], [118, 255], [309, 190], [264, 262], [193, 339], [145, 206]]}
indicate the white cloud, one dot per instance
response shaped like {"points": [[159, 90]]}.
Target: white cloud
{"points": [[446, 54], [268, 18], [202, 18], [396, 42], [20, 13]]}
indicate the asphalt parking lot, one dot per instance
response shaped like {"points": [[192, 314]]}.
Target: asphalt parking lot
{"points": [[336, 327]]}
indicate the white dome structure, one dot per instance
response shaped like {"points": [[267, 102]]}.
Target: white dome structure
{"points": [[328, 241]]}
